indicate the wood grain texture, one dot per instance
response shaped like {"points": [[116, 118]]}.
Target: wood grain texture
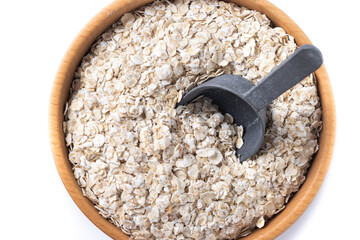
{"points": [[79, 47]]}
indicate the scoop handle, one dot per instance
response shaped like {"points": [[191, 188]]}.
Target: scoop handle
{"points": [[304, 61]]}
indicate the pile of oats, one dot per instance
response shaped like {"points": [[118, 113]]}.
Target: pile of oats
{"points": [[160, 172]]}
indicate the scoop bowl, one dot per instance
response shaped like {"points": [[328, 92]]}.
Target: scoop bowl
{"points": [[227, 92]]}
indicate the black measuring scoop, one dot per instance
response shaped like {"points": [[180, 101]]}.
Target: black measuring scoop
{"points": [[247, 102]]}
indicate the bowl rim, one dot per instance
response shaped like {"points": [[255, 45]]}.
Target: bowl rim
{"points": [[78, 48]]}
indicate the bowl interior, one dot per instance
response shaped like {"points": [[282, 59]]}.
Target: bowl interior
{"points": [[80, 46]]}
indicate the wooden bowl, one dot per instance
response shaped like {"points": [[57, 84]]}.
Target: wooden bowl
{"points": [[80, 46]]}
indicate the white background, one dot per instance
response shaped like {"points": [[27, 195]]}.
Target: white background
{"points": [[34, 36]]}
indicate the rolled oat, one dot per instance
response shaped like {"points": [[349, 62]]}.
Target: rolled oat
{"points": [[158, 172]]}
